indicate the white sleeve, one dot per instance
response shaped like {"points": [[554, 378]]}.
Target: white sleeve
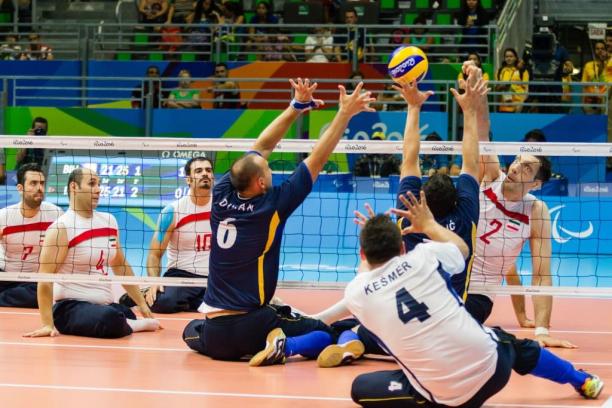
{"points": [[447, 254]]}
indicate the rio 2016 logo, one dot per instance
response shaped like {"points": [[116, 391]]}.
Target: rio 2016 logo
{"points": [[556, 229]]}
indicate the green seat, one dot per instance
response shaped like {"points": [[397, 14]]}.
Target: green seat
{"points": [[453, 4], [124, 56], [6, 17], [408, 18], [422, 4], [188, 57], [141, 38], [487, 4], [388, 6], [443, 19], [156, 56]]}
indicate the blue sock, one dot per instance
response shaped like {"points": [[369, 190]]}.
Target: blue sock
{"points": [[346, 336], [308, 345], [558, 370]]}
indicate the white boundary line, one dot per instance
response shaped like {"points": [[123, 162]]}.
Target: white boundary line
{"points": [[32, 343], [241, 395], [188, 319], [608, 403]]}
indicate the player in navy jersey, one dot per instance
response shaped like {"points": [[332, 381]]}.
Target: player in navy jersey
{"points": [[456, 208], [247, 217]]}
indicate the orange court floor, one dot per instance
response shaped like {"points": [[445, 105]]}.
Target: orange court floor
{"points": [[158, 370]]}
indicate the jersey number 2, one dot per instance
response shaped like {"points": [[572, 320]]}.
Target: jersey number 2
{"points": [[409, 308], [496, 224]]}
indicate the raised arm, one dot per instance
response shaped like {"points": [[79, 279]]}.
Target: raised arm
{"points": [[541, 252], [350, 105], [475, 92], [52, 255], [412, 139], [274, 132]]}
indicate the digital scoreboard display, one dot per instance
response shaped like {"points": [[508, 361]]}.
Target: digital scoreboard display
{"points": [[127, 179]]}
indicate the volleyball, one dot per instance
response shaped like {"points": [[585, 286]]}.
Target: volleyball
{"points": [[407, 64]]}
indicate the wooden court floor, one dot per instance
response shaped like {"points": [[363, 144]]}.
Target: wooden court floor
{"points": [[157, 370]]}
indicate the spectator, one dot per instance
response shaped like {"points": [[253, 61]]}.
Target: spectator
{"points": [[355, 78], [475, 57], [473, 17], [233, 14], [184, 96], [514, 94], [259, 37], [419, 36], [388, 99], [376, 165], [226, 94], [153, 12], [139, 94], [344, 43], [434, 163], [40, 127], [565, 74], [10, 50], [181, 12], [203, 35], [609, 41], [37, 50], [319, 45], [595, 71]]}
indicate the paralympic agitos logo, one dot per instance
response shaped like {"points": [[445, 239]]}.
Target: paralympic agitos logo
{"points": [[557, 229]]}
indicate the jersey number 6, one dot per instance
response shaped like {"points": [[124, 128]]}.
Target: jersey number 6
{"points": [[226, 233]]}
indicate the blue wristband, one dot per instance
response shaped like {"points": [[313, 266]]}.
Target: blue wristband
{"points": [[302, 106]]}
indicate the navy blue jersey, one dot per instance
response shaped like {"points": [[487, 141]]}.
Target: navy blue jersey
{"points": [[247, 234], [463, 221]]}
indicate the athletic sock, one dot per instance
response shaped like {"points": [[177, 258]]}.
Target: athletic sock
{"points": [[143, 324], [346, 336], [308, 345], [556, 369]]}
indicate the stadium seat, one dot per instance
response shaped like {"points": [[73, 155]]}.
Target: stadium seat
{"points": [[303, 13]]}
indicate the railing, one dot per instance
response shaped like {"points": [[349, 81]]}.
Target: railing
{"points": [[226, 42]]}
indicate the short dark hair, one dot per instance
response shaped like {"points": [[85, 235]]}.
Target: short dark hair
{"points": [[536, 135], [351, 9], [380, 239], [545, 170], [222, 64], [23, 169], [77, 176], [242, 172], [433, 136], [195, 159], [40, 119], [441, 195]]}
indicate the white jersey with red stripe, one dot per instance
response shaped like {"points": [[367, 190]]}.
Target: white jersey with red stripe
{"points": [[503, 228], [410, 306], [23, 237], [189, 246], [92, 243]]}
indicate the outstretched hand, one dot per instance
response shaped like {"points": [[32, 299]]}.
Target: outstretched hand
{"points": [[548, 341], [304, 90], [417, 212], [411, 94], [356, 102], [473, 93]]}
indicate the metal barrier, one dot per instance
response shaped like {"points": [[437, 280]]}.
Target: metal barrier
{"points": [[246, 42]]}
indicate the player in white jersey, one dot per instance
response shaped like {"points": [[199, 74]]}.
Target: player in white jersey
{"points": [[446, 358], [510, 216], [183, 229], [22, 231], [86, 242]]}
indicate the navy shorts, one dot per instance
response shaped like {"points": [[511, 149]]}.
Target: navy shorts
{"points": [[236, 336], [87, 319]]}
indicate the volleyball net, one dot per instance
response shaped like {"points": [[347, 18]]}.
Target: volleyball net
{"points": [[320, 248]]}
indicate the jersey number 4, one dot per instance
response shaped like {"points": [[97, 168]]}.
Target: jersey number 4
{"points": [[409, 308]]}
